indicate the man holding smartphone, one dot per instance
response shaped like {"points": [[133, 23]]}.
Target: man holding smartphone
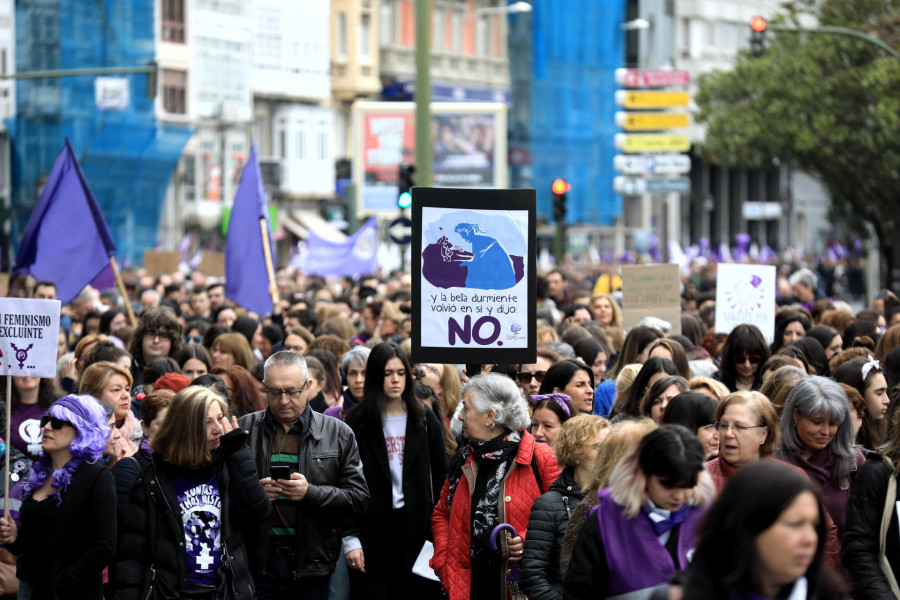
{"points": [[313, 475]]}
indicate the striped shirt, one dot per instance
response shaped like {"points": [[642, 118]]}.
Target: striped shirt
{"points": [[285, 453]]}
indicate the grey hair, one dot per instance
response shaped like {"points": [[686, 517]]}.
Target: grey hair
{"points": [[357, 354], [499, 393], [285, 358], [811, 397], [563, 349], [803, 276]]}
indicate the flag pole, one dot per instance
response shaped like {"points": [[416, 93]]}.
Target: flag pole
{"points": [[8, 446], [121, 285], [267, 251]]}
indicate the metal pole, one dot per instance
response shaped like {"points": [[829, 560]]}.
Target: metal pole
{"points": [[423, 93]]}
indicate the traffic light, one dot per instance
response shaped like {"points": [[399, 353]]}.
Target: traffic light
{"points": [[757, 36], [405, 183], [559, 188]]}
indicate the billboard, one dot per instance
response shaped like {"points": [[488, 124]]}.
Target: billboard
{"points": [[468, 143]]}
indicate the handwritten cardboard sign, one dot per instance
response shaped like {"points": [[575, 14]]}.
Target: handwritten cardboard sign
{"points": [[651, 291]]}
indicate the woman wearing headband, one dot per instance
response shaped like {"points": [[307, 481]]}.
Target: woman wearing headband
{"points": [[66, 534], [866, 376], [549, 413]]}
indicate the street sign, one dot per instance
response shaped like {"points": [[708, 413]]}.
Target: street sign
{"points": [[400, 231], [632, 186], [660, 164], [651, 142], [651, 99], [642, 78], [648, 121]]}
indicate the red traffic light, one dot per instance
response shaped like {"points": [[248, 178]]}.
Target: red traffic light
{"points": [[560, 186], [758, 24]]}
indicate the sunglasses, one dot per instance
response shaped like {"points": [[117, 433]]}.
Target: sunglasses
{"points": [[54, 422], [741, 358], [525, 376], [196, 339]]}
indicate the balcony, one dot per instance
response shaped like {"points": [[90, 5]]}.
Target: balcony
{"points": [[400, 62]]}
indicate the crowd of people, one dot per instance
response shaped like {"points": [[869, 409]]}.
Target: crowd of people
{"points": [[207, 452]]}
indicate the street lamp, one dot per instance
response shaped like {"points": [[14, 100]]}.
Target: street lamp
{"points": [[636, 25]]}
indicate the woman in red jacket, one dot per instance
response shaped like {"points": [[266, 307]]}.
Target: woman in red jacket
{"points": [[500, 471]]}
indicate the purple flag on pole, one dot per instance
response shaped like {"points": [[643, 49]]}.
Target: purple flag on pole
{"points": [[66, 240], [246, 276], [354, 256]]}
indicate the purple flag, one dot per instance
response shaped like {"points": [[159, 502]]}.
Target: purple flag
{"points": [[246, 276], [354, 256], [66, 240]]}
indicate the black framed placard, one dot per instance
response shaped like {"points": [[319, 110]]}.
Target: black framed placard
{"points": [[473, 276]]}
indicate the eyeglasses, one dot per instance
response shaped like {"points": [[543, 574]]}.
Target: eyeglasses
{"points": [[737, 427], [753, 358], [156, 333], [525, 376], [274, 394], [188, 339], [54, 422]]}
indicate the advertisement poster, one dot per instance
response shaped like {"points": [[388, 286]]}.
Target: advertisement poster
{"points": [[651, 291], [466, 148], [746, 294], [29, 334], [473, 276]]}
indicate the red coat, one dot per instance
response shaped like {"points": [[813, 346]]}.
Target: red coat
{"points": [[451, 528]]}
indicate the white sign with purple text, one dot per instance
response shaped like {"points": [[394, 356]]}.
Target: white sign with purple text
{"points": [[746, 294], [29, 337]]}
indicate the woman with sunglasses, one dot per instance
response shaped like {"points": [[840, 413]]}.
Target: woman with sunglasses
{"points": [[576, 448], [66, 534], [183, 537], [744, 351], [574, 379], [404, 462], [530, 376]]}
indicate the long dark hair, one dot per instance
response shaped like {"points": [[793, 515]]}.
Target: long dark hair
{"points": [[743, 339], [635, 342], [781, 323], [370, 411], [630, 404], [561, 373], [726, 551], [690, 409]]}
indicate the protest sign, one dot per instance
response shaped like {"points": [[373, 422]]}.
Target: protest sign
{"points": [[746, 294], [651, 291], [473, 276], [157, 262], [29, 334], [212, 263]]}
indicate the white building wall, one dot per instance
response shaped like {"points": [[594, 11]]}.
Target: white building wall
{"points": [[303, 138]]}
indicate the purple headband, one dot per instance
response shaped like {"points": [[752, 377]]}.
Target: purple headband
{"points": [[560, 399]]}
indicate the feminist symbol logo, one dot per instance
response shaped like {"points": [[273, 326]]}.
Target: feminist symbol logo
{"points": [[21, 354]]}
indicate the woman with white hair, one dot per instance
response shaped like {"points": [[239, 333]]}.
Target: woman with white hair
{"points": [[817, 436], [499, 472], [353, 371]]}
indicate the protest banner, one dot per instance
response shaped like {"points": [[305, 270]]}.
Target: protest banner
{"points": [[29, 334], [651, 291], [473, 276], [746, 294]]}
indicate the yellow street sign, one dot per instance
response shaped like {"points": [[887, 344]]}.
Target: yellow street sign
{"points": [[648, 142], [651, 121], [651, 99]]}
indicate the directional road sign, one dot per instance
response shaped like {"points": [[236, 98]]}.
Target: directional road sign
{"points": [[648, 121], [651, 99], [642, 78], [660, 164], [400, 231], [631, 185], [650, 142]]}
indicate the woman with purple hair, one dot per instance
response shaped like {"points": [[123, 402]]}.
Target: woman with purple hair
{"points": [[66, 533]]}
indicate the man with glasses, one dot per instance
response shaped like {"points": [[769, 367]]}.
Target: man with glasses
{"points": [[312, 472]]}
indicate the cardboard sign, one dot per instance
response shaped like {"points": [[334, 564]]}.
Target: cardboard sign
{"points": [[213, 263], [651, 291], [29, 334], [474, 276], [157, 262], [746, 294]]}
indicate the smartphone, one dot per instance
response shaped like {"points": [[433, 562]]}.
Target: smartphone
{"points": [[280, 472]]}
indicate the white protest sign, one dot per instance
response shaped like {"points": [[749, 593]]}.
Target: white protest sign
{"points": [[29, 334], [746, 294]]}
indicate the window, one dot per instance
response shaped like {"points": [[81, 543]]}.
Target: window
{"points": [[482, 36], [173, 21], [388, 36], [457, 28], [437, 30], [342, 35], [174, 84], [365, 23], [301, 143]]}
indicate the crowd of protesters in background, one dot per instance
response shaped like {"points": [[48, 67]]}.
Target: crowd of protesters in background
{"points": [[307, 453]]}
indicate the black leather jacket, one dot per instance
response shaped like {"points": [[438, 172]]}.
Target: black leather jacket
{"points": [[337, 495]]}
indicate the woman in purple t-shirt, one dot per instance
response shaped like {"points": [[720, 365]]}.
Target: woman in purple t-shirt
{"points": [[31, 397]]}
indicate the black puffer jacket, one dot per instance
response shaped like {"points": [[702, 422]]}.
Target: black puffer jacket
{"points": [[862, 531], [151, 544], [541, 577]]}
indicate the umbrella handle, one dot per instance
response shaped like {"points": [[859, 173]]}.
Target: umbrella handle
{"points": [[496, 532]]}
